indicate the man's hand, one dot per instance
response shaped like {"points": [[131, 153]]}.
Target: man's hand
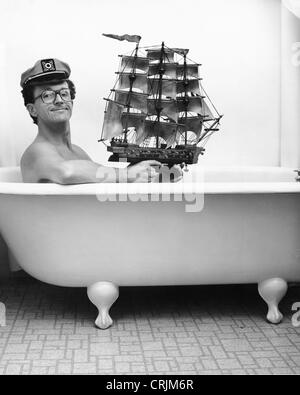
{"points": [[146, 171], [153, 171]]}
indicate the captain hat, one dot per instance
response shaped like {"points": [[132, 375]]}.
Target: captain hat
{"points": [[45, 70]]}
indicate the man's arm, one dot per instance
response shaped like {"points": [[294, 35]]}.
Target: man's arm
{"points": [[42, 162]]}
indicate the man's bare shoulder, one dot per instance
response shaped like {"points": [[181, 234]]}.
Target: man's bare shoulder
{"points": [[38, 162], [37, 150]]}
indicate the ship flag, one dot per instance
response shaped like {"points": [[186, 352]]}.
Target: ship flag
{"points": [[127, 37]]}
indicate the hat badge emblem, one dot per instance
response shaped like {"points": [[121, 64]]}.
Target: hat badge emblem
{"points": [[48, 65]]}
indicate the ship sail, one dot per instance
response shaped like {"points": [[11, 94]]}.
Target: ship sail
{"points": [[190, 104], [169, 108], [168, 87], [140, 82], [167, 131], [195, 105], [191, 70], [206, 112], [134, 62], [156, 54], [193, 124], [137, 100], [170, 69], [180, 51], [191, 86], [112, 125], [137, 121]]}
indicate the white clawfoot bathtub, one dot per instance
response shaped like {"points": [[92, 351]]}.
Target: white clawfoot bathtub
{"points": [[103, 236]]}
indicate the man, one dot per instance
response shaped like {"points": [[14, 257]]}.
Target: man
{"points": [[48, 96]]}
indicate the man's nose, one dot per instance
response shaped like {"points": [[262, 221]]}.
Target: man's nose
{"points": [[58, 99]]}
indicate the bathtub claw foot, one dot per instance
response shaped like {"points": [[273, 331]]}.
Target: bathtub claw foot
{"points": [[272, 291], [103, 295]]}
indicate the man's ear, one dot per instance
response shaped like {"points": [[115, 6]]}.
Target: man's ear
{"points": [[31, 109]]}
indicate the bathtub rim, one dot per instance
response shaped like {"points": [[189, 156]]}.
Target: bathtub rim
{"points": [[94, 189], [33, 189]]}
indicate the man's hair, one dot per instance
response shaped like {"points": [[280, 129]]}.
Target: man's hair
{"points": [[28, 95]]}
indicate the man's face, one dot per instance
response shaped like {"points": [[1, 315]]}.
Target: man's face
{"points": [[56, 112]]}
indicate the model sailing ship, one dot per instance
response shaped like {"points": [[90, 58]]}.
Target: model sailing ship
{"points": [[158, 108]]}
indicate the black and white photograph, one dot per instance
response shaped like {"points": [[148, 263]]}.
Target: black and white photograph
{"points": [[149, 190]]}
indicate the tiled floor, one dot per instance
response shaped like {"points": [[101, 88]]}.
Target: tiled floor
{"points": [[157, 330]]}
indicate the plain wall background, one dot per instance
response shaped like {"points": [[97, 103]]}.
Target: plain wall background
{"points": [[237, 41], [290, 84]]}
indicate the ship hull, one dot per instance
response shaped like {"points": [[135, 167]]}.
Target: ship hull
{"points": [[171, 156]]}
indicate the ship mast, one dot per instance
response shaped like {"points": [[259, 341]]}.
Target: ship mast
{"points": [[132, 78], [159, 106], [186, 100]]}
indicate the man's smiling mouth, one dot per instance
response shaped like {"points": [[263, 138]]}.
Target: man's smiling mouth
{"points": [[60, 109]]}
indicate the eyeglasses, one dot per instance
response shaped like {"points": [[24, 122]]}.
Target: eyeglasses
{"points": [[49, 96]]}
